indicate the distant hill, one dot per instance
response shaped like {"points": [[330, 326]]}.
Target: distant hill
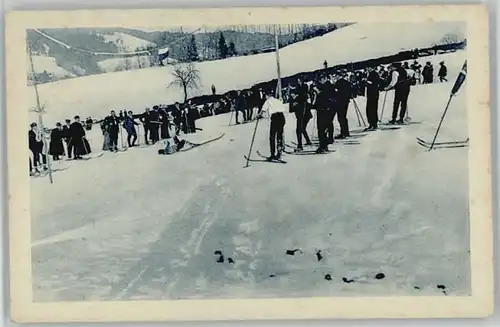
{"points": [[63, 63]]}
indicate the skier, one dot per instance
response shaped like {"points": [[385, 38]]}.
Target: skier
{"points": [[172, 146], [325, 64], [146, 124], [343, 94], [77, 135], [401, 82], [443, 72], [299, 106], [56, 148], [428, 73], [249, 104], [35, 143], [240, 106], [213, 89], [416, 68], [129, 124], [372, 97], [260, 99], [323, 111], [113, 124], [274, 109]]}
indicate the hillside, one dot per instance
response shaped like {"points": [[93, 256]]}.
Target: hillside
{"points": [[246, 40], [138, 89]]}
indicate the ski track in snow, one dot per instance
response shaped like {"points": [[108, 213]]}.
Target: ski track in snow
{"points": [[139, 226]]}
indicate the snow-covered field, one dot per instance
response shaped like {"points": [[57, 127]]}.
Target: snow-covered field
{"points": [[48, 64], [96, 95], [136, 225], [126, 42]]}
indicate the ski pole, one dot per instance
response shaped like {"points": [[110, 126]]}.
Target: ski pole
{"points": [[359, 112], [383, 107], [440, 122], [357, 115], [253, 139]]}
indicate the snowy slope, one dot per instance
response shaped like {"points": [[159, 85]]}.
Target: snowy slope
{"points": [[138, 226], [48, 64], [126, 42], [97, 95]]}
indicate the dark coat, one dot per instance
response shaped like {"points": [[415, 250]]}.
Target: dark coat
{"points": [[129, 125], [443, 71], [34, 144], [373, 84], [343, 92], [56, 147], [77, 134], [112, 124]]}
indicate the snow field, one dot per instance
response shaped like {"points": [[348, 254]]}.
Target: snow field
{"points": [[144, 226]]}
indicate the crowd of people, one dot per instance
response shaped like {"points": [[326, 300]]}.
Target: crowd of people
{"points": [[329, 95]]}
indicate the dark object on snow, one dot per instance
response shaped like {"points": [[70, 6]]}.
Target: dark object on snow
{"points": [[230, 260], [441, 287], [218, 252], [328, 277], [380, 276], [292, 252], [221, 259], [318, 255], [347, 280], [417, 288], [273, 275]]}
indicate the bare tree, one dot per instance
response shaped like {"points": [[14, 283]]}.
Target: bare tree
{"points": [[186, 76]]}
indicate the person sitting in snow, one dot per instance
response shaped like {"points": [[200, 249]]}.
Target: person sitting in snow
{"points": [[172, 145]]}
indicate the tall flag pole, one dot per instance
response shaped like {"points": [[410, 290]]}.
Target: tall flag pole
{"points": [[278, 90], [39, 110], [456, 87]]}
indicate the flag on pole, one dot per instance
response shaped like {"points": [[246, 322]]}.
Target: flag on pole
{"points": [[163, 53], [460, 79]]}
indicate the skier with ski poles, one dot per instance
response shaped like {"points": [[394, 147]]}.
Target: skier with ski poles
{"points": [[401, 81], [372, 98], [274, 109], [113, 124]]}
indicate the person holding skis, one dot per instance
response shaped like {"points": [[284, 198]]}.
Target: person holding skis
{"points": [[129, 124], [401, 82], [443, 72], [113, 124], [274, 109]]}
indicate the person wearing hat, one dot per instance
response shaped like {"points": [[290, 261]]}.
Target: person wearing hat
{"points": [[428, 73], [56, 148], [372, 96], [324, 107], [67, 138], [35, 144], [77, 134], [401, 82], [343, 93], [443, 72], [298, 105], [146, 119], [112, 123], [274, 109]]}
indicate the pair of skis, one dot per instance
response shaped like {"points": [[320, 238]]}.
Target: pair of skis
{"points": [[264, 159], [195, 145], [438, 145]]}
